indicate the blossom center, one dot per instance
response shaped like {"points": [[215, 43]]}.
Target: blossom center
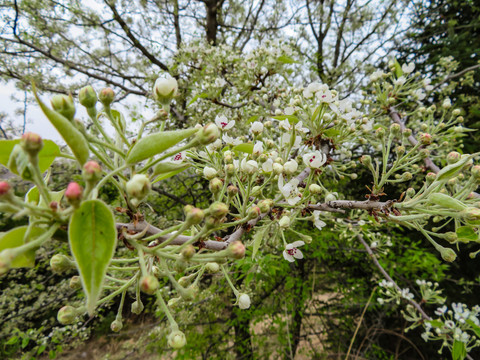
{"points": [[178, 157], [292, 252], [223, 124]]}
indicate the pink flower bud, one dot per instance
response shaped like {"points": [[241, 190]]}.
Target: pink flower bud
{"points": [[149, 284], [106, 96], [4, 188], [92, 171], [425, 139], [188, 252], [32, 143], [254, 212], [236, 250], [116, 325], [218, 210], [73, 193], [453, 157], [208, 134]]}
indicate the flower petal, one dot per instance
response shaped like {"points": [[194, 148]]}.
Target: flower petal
{"points": [[298, 254], [288, 257], [297, 243]]}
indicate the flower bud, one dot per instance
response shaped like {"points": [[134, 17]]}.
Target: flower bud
{"points": [[253, 212], [73, 194], [315, 189], [208, 134], [366, 160], [149, 284], [165, 89], [32, 143], [277, 168], [209, 172], [451, 237], [475, 173], [61, 263], [75, 282], [380, 133], [471, 214], [406, 133], [66, 315], [176, 339], [290, 167], [5, 190], [447, 104], [218, 210], [180, 265], [106, 96], [230, 169], [138, 187], [243, 301], [448, 254], [453, 157], [330, 197], [64, 105], [264, 206], [195, 216], [188, 252], [407, 176], [92, 171], [232, 190], [87, 97], [400, 150], [395, 129], [256, 128], [410, 192], [236, 250], [284, 222], [215, 185], [137, 307], [212, 267], [116, 325], [425, 139]]}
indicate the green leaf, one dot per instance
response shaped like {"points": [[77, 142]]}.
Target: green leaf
{"points": [[166, 167], [398, 69], [252, 119], [92, 235], [292, 119], [459, 351], [246, 148], [332, 132], [72, 136], [32, 196], [466, 234], [169, 174], [475, 328], [15, 238], [25, 342], [196, 97], [46, 156], [19, 164], [286, 59], [12, 341], [257, 240], [154, 144]]}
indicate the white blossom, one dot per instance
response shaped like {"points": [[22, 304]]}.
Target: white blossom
{"points": [[314, 159], [257, 127], [376, 75], [289, 110], [289, 190], [290, 167], [250, 166], [325, 96], [258, 148], [178, 158], [318, 223], [267, 166], [400, 81], [230, 140], [222, 122], [292, 252], [408, 68], [209, 172]]}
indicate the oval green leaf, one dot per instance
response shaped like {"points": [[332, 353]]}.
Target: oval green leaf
{"points": [[46, 156], [93, 236], [466, 234], [245, 148], [154, 144], [15, 238], [72, 136]]}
